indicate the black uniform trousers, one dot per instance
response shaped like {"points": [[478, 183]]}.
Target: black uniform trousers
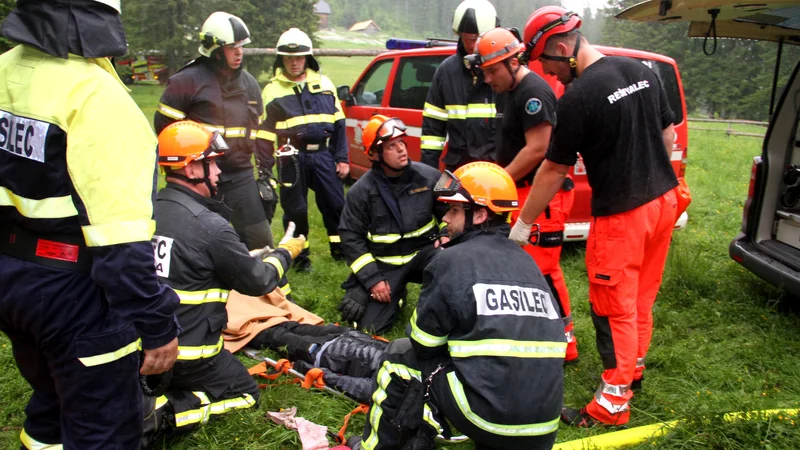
{"points": [[208, 387], [53, 317], [239, 192], [399, 387], [317, 171], [378, 317]]}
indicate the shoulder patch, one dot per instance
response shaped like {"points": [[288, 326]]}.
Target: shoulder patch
{"points": [[162, 249], [533, 106], [22, 136]]}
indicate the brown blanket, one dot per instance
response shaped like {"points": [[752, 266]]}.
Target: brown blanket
{"points": [[247, 316]]}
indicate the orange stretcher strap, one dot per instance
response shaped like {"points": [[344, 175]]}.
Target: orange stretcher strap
{"points": [[314, 379], [359, 409]]}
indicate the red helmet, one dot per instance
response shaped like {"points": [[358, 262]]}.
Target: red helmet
{"points": [[545, 22]]}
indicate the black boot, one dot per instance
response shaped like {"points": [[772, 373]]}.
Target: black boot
{"points": [[156, 421]]}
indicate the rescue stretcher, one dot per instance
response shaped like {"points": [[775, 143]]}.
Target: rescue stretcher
{"points": [[313, 379]]}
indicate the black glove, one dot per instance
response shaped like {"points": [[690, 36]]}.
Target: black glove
{"points": [[353, 305], [268, 190]]}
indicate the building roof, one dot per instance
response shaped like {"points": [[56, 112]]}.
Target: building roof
{"points": [[361, 26], [322, 7]]}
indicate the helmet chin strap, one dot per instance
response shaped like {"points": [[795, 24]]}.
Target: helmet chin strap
{"points": [[206, 178], [571, 60], [513, 74]]}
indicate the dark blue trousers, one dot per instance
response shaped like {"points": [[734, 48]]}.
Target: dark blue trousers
{"points": [[317, 171], [53, 317]]}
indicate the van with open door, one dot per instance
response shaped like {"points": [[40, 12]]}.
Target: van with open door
{"points": [[769, 242]]}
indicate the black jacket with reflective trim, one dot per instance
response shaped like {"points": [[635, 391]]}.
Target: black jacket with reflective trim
{"points": [[230, 104], [199, 255], [454, 91], [485, 304], [369, 229]]}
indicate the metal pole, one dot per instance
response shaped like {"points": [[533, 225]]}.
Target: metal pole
{"points": [[775, 77]]}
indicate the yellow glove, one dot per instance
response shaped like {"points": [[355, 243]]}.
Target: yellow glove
{"points": [[294, 245]]}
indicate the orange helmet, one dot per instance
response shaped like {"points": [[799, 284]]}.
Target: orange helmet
{"points": [[545, 22], [381, 129], [482, 183], [496, 45], [183, 142]]}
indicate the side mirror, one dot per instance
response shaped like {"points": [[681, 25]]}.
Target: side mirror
{"points": [[343, 92]]}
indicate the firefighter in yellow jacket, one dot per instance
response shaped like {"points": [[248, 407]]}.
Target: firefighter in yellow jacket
{"points": [[79, 294], [302, 109]]}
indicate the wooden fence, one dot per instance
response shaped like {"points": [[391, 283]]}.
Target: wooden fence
{"points": [[729, 131]]}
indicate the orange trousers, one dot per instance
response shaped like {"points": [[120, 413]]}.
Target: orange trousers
{"points": [[625, 257], [548, 258]]}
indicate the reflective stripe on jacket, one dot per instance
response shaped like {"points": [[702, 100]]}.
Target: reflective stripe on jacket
{"points": [[230, 105], [371, 233], [461, 108], [199, 255], [486, 305]]}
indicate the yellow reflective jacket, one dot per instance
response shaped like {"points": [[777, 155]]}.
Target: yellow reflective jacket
{"points": [[78, 157]]}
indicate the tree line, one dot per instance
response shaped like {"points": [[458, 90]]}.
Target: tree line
{"points": [[734, 82]]}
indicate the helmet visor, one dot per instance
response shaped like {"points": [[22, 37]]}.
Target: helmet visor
{"points": [[449, 188], [392, 128], [216, 147]]}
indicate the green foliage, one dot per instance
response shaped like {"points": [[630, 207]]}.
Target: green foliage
{"points": [[5, 7], [172, 27], [734, 82]]}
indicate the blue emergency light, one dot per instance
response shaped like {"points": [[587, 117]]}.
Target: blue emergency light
{"points": [[409, 44]]}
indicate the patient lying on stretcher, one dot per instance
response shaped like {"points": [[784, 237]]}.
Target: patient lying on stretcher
{"points": [[348, 358]]}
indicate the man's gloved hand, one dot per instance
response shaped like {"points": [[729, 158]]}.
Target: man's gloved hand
{"points": [[521, 232], [267, 187], [293, 244], [353, 305]]}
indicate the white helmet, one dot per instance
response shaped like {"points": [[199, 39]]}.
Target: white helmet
{"points": [[293, 42], [475, 17], [221, 29]]}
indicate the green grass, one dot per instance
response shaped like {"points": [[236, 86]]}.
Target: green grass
{"points": [[723, 339]]}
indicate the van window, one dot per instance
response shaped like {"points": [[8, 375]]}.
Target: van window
{"points": [[666, 72], [414, 77], [369, 91]]}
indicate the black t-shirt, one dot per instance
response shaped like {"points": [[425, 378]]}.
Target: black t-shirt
{"points": [[528, 105], [614, 115]]}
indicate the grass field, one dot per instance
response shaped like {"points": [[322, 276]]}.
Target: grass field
{"points": [[723, 342]]}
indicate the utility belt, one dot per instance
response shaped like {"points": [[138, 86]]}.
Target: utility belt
{"points": [[58, 251], [310, 147], [546, 239]]}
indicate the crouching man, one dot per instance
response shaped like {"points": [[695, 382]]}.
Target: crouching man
{"points": [[388, 226], [201, 257], [486, 343]]}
